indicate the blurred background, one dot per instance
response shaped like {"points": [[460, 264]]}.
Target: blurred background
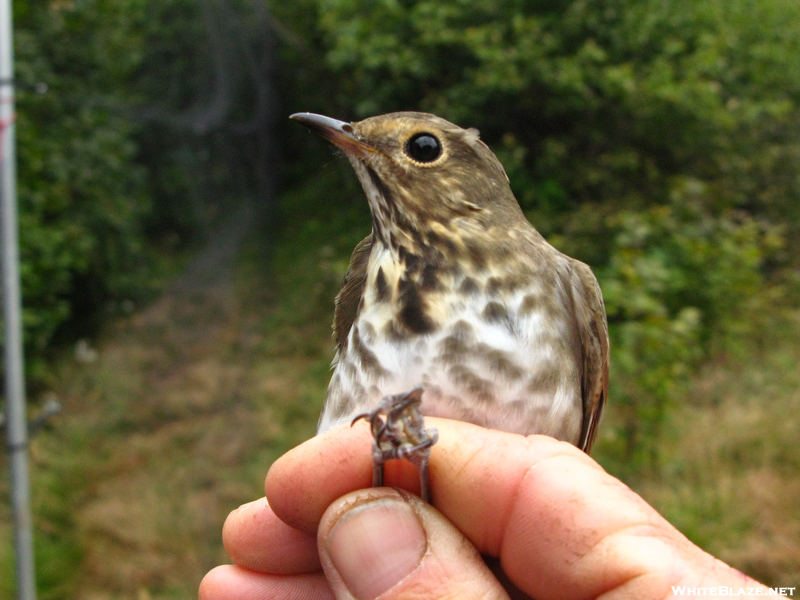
{"points": [[182, 242]]}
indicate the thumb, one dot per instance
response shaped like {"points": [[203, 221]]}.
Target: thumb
{"points": [[388, 543]]}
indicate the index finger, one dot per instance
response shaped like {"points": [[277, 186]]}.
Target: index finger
{"points": [[475, 474], [551, 513]]}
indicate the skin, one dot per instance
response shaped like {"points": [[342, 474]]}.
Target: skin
{"points": [[560, 526]]}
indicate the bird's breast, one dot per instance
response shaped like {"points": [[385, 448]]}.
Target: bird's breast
{"points": [[488, 349]]}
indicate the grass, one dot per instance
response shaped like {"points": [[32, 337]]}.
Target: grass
{"points": [[174, 425], [731, 468], [191, 399], [728, 474]]}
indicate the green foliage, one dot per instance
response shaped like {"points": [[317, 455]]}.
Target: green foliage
{"points": [[153, 123], [82, 201], [657, 141], [675, 279]]}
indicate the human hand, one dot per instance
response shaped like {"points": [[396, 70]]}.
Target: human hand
{"points": [[560, 526]]}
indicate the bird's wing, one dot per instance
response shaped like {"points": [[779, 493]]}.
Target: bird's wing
{"points": [[348, 298], [590, 315]]}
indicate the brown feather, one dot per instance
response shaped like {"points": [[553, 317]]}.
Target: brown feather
{"points": [[349, 297], [590, 318]]}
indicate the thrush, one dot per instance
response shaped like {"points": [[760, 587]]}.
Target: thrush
{"points": [[456, 293]]}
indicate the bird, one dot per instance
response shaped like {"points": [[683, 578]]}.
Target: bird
{"points": [[454, 303]]}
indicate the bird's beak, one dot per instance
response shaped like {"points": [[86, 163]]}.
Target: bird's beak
{"points": [[339, 133]]}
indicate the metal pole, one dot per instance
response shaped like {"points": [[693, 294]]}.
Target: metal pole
{"points": [[17, 427]]}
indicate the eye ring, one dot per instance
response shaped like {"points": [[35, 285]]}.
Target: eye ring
{"points": [[423, 147]]}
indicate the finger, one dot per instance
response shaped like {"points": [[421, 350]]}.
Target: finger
{"points": [[560, 525], [258, 540], [386, 543], [304, 481], [229, 582]]}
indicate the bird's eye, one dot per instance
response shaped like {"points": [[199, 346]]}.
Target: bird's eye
{"points": [[424, 148]]}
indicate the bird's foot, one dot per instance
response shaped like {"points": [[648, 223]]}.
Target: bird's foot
{"points": [[401, 435]]}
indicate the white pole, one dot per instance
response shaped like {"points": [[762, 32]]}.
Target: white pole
{"points": [[17, 426]]}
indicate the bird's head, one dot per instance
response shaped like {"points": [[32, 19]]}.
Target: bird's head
{"points": [[425, 178]]}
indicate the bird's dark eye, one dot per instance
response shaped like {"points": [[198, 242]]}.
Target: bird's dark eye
{"points": [[424, 147]]}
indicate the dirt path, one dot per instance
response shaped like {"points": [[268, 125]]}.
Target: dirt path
{"points": [[173, 426]]}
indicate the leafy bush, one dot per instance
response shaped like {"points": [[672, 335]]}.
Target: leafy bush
{"points": [[81, 195], [124, 159]]}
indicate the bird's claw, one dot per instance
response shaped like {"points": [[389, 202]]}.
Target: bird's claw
{"points": [[401, 435]]}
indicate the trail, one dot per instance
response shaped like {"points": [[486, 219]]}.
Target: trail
{"points": [[173, 426], [213, 267]]}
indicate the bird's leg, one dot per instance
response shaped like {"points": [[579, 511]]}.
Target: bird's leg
{"points": [[378, 460], [401, 435], [419, 456], [413, 441], [379, 454], [421, 462]]}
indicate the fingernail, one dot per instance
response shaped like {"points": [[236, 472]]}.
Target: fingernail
{"points": [[376, 545]]}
